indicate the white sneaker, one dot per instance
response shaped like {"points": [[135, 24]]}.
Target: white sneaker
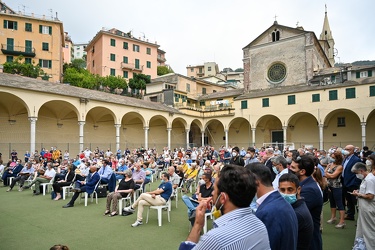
{"points": [[129, 209], [137, 223]]}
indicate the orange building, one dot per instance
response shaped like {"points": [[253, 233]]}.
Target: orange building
{"points": [[39, 39], [113, 52]]}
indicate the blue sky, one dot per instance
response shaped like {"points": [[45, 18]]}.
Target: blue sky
{"points": [[197, 31]]}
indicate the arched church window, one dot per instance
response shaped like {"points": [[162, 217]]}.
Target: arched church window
{"points": [[275, 35]]}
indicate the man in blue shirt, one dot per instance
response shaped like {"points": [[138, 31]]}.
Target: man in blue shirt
{"points": [[235, 227], [105, 173], [158, 197]]}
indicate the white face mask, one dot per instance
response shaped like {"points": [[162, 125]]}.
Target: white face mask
{"points": [[234, 154], [368, 163], [360, 176]]}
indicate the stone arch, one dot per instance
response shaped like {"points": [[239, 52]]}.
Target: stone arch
{"points": [[269, 130], [195, 133], [178, 133], [302, 129], [342, 127], [157, 132], [239, 133], [370, 131], [214, 133], [132, 132]]}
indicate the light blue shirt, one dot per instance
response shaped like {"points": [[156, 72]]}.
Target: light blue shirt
{"points": [[238, 229], [105, 172]]}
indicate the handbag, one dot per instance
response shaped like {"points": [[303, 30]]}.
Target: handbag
{"points": [[101, 192]]}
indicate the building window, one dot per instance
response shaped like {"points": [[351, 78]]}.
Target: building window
{"points": [[191, 69], [187, 87], [125, 59], [113, 72], [244, 104], [204, 91], [125, 74], [113, 42], [12, 25], [45, 46], [148, 63], [125, 45], [176, 97], [369, 73], [350, 93], [45, 30], [265, 102], [137, 63], [184, 98], [9, 58], [135, 48], [209, 68], [28, 60], [113, 57], [291, 99], [332, 95], [202, 103], [45, 63], [275, 35], [340, 121], [10, 44], [316, 98], [372, 90], [200, 70], [28, 46], [28, 27], [276, 73], [148, 51]]}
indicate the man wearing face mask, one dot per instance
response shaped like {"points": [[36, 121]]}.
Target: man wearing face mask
{"points": [[278, 216], [290, 190], [279, 167], [350, 181], [250, 156], [236, 158], [236, 227]]}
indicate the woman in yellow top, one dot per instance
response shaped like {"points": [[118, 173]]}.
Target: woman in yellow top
{"points": [[190, 175]]}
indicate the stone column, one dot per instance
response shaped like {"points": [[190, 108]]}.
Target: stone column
{"points": [[146, 137], [202, 132], [117, 126], [32, 134], [284, 135], [321, 126], [226, 138], [253, 135], [169, 137], [81, 124], [187, 137], [363, 125]]}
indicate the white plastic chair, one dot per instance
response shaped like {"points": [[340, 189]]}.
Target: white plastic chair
{"points": [[160, 210], [66, 189], [46, 185], [92, 195], [125, 199], [209, 214]]}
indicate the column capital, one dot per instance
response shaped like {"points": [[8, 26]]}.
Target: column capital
{"points": [[321, 125], [33, 119], [187, 130], [253, 129], [285, 127], [226, 130], [202, 131], [169, 129], [146, 128], [117, 125], [363, 123], [81, 123]]}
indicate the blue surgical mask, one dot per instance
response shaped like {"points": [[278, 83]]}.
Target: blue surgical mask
{"points": [[274, 169], [290, 198], [345, 152], [331, 160]]}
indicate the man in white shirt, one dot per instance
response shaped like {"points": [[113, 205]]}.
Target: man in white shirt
{"points": [[47, 177]]}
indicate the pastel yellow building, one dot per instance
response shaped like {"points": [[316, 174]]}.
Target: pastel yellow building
{"points": [[39, 39], [113, 52]]}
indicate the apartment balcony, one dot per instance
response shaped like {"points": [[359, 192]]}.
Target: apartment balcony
{"points": [[132, 67], [200, 74], [161, 59], [9, 49]]}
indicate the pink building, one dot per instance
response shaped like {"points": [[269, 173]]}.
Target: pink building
{"points": [[68, 49], [113, 52]]}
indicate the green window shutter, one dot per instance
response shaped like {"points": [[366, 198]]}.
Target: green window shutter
{"points": [[265, 102], [125, 45], [15, 25], [28, 27], [5, 24], [113, 57], [125, 59], [291, 99], [45, 46], [137, 63], [372, 90], [350, 93], [333, 95], [9, 58], [125, 74], [49, 64], [357, 74], [28, 60], [148, 64], [244, 104], [113, 72], [40, 29], [202, 103], [40, 62], [369, 73], [28, 46], [316, 98], [50, 30], [113, 42], [204, 91]]}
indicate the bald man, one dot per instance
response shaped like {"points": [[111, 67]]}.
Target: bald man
{"points": [[85, 186]]}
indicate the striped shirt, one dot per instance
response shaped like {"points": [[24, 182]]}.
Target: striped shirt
{"points": [[237, 230]]}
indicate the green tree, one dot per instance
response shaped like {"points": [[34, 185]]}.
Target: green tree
{"points": [[239, 70], [20, 67], [80, 78], [163, 70]]}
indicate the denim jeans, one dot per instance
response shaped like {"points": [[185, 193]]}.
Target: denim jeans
{"points": [[191, 205]]}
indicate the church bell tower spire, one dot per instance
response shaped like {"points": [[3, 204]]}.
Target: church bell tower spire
{"points": [[327, 36]]}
